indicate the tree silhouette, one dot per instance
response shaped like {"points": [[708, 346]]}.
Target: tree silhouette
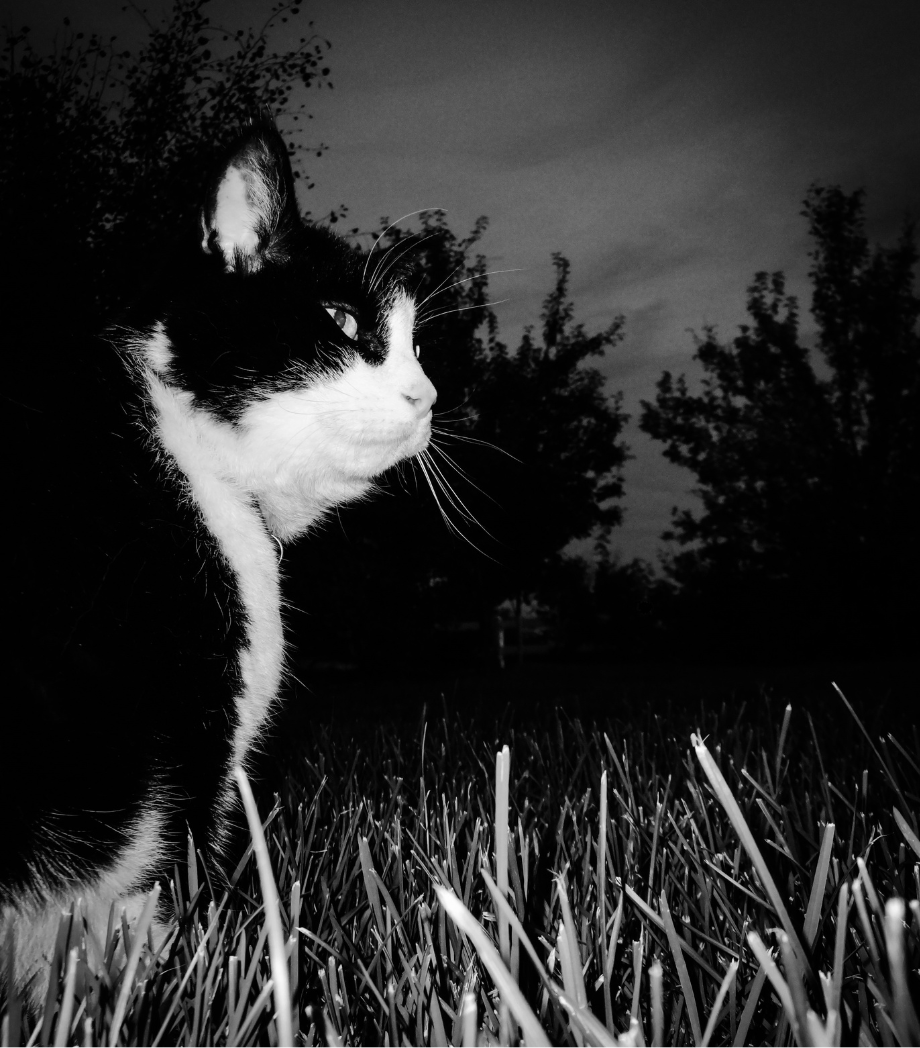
{"points": [[807, 461], [102, 158], [543, 405], [528, 440], [103, 151]]}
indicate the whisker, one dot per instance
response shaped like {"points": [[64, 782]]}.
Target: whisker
{"points": [[387, 230], [413, 243], [447, 521], [408, 467], [372, 282], [461, 472], [457, 407], [474, 440], [454, 498], [424, 457], [476, 276], [401, 470], [460, 309], [442, 483], [338, 515], [443, 420], [438, 288]]}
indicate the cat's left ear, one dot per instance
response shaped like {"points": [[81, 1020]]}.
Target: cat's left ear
{"points": [[251, 209]]}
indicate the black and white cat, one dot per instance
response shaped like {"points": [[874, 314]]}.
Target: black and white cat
{"points": [[271, 379]]}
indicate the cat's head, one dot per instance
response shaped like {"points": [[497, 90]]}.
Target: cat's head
{"points": [[291, 349]]}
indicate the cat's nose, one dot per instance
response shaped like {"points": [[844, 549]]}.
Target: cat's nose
{"points": [[421, 394]]}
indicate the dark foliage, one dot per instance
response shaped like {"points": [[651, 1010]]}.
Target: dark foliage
{"points": [[103, 154], [808, 462], [527, 439], [103, 150]]}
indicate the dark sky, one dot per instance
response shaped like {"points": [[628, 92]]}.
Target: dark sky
{"points": [[664, 147]]}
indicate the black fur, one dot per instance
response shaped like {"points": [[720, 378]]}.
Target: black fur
{"points": [[124, 619]]}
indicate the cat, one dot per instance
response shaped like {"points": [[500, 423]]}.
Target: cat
{"points": [[268, 379]]}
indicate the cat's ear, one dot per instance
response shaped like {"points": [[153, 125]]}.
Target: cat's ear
{"points": [[250, 209]]}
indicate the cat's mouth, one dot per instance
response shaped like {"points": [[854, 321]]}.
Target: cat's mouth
{"points": [[414, 443]]}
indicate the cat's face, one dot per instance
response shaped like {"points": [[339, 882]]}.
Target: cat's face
{"points": [[293, 354]]}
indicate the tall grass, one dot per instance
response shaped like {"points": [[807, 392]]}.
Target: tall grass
{"points": [[644, 884]]}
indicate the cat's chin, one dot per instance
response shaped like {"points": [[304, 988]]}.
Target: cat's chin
{"points": [[371, 460], [414, 444], [291, 511]]}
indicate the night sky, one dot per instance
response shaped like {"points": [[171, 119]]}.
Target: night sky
{"points": [[664, 147]]}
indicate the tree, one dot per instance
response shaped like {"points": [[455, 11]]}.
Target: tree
{"points": [[606, 606], [543, 405], [102, 149], [529, 442], [807, 461], [102, 153]]}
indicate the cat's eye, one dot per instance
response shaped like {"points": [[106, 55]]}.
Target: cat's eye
{"points": [[345, 320]]}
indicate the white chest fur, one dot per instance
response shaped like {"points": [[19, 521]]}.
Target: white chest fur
{"points": [[203, 453], [294, 455]]}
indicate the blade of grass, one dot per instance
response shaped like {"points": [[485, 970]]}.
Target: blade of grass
{"points": [[468, 1018], [820, 1033], [370, 884], [13, 1016], [654, 981], [905, 1017], [612, 946], [295, 957], [127, 980], [730, 974], [502, 775], [733, 810], [58, 963], [177, 999], [391, 1013], [682, 973], [887, 770], [602, 897], [62, 1034], [192, 863], [864, 920], [253, 1014], [438, 1035], [643, 906], [277, 951], [520, 1009], [749, 1006], [568, 964], [909, 834], [818, 886], [502, 771], [778, 982], [637, 978], [577, 987], [589, 1025], [843, 908], [869, 887], [781, 745], [794, 980]]}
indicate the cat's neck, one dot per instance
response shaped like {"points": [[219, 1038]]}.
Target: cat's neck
{"points": [[205, 455], [239, 467]]}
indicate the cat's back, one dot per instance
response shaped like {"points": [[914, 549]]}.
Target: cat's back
{"points": [[155, 475], [116, 601]]}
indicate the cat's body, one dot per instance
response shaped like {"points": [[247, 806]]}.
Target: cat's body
{"points": [[269, 382]]}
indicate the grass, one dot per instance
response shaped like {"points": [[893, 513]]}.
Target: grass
{"points": [[642, 883]]}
